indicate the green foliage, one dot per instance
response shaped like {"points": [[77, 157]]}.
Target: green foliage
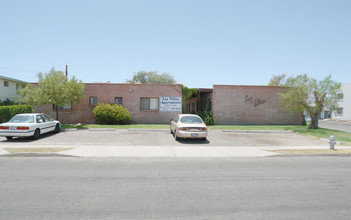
{"points": [[7, 112], [152, 77], [277, 80], [111, 114], [53, 88], [305, 93], [188, 92], [7, 102], [208, 117]]}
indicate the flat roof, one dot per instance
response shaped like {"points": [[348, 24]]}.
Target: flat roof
{"points": [[12, 79]]}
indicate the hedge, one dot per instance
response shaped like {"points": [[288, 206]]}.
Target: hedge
{"points": [[7, 112], [111, 114]]}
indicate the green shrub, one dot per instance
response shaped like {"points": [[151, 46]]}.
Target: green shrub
{"points": [[111, 114], [208, 117], [7, 112], [7, 102]]}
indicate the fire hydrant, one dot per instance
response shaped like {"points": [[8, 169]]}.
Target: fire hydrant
{"points": [[332, 142]]}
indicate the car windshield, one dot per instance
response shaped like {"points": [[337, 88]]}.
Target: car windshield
{"points": [[191, 120], [22, 119]]}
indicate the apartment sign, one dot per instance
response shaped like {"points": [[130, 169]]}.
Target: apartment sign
{"points": [[170, 104]]}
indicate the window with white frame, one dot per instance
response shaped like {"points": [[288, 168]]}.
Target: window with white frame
{"points": [[119, 100], [340, 96], [65, 107], [149, 104], [92, 100], [340, 111], [6, 83]]}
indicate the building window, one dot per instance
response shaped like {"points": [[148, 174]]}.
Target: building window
{"points": [[6, 83], [340, 96], [340, 111], [65, 107], [92, 100], [209, 105], [119, 100], [17, 87], [149, 104]]}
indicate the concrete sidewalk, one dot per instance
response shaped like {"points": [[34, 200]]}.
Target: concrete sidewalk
{"points": [[166, 151]]}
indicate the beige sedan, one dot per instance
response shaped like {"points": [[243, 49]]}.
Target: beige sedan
{"points": [[188, 126]]}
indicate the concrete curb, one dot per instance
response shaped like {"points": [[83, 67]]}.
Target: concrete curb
{"points": [[101, 129], [154, 130], [311, 155], [259, 131]]}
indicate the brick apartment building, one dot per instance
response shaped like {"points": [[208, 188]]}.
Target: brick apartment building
{"points": [[233, 104], [148, 103]]}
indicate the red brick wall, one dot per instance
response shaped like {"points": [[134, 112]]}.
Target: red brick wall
{"points": [[250, 105], [131, 94]]}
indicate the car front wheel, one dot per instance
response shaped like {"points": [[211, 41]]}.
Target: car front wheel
{"points": [[57, 128]]}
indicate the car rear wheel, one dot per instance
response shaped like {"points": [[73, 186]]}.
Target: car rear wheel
{"points": [[36, 134], [175, 135], [9, 138]]}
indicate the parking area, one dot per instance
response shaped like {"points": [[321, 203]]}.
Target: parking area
{"points": [[341, 125], [111, 137]]}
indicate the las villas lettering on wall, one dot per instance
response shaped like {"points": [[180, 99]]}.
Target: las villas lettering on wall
{"points": [[170, 104], [255, 102]]}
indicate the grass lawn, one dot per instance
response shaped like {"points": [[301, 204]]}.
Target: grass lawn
{"points": [[313, 151], [128, 126], [344, 137], [35, 150]]}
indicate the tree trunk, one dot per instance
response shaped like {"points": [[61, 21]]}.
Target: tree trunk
{"points": [[314, 121], [56, 112]]}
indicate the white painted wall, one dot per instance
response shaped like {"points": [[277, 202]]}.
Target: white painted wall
{"points": [[345, 103], [9, 92]]}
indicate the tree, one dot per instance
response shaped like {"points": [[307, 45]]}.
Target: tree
{"points": [[152, 77], [53, 88], [277, 80], [305, 93], [188, 92]]}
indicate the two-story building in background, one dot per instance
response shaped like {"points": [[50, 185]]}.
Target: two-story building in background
{"points": [[344, 101], [9, 88]]}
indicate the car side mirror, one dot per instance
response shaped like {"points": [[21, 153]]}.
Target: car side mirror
{"points": [[171, 119]]}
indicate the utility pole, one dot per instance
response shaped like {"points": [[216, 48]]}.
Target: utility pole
{"points": [[66, 70]]}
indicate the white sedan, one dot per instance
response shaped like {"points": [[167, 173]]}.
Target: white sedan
{"points": [[25, 125], [188, 126]]}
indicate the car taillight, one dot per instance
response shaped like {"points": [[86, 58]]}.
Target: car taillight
{"points": [[23, 128], [204, 129], [4, 127], [184, 129]]}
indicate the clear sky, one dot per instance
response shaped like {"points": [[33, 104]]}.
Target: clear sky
{"points": [[199, 42]]}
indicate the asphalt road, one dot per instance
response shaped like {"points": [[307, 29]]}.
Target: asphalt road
{"points": [[125, 137], [258, 188]]}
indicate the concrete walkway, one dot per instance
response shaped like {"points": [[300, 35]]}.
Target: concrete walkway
{"points": [[167, 151]]}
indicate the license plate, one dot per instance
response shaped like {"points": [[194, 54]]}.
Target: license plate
{"points": [[194, 135], [12, 128]]}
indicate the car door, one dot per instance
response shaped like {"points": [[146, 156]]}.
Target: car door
{"points": [[174, 123], [49, 123], [40, 123]]}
